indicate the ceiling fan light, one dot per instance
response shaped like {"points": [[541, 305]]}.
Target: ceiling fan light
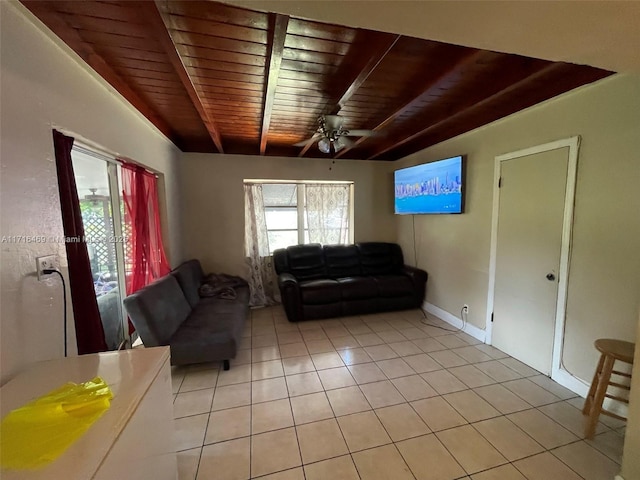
{"points": [[324, 145], [338, 144]]}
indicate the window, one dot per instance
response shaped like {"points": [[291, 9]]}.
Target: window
{"points": [[307, 212], [282, 215]]}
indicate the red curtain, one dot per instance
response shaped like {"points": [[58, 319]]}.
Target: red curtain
{"points": [[146, 259], [89, 331]]}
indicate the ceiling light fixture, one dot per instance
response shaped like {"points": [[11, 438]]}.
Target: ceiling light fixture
{"points": [[330, 126], [324, 145], [330, 132]]}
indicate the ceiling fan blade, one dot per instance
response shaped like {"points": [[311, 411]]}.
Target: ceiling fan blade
{"points": [[360, 133], [346, 142], [308, 140]]}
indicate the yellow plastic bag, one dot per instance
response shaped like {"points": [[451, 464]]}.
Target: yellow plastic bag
{"points": [[39, 432]]}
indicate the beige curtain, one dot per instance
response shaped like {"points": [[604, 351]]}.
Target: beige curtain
{"points": [[262, 282], [327, 209]]}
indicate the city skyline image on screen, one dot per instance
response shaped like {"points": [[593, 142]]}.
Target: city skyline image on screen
{"points": [[430, 188]]}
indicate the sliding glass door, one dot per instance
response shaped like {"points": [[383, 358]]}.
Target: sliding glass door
{"points": [[101, 208]]}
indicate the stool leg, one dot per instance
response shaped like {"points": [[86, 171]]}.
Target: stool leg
{"points": [[588, 402], [601, 391]]}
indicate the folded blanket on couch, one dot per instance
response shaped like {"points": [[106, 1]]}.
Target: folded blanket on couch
{"points": [[221, 285]]}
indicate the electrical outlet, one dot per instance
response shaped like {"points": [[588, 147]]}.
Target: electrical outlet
{"points": [[46, 262], [465, 308]]}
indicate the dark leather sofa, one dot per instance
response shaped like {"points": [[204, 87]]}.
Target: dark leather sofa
{"points": [[336, 280], [170, 312]]}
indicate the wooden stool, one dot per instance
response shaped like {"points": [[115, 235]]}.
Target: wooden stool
{"points": [[611, 351]]}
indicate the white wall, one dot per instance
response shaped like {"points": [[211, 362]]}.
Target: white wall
{"points": [[45, 85], [604, 280], [214, 200]]}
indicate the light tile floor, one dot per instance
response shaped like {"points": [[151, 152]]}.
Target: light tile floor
{"points": [[381, 396]]}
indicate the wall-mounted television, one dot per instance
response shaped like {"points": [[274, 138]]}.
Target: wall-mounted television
{"points": [[435, 187]]}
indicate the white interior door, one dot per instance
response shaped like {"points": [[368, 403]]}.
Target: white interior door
{"points": [[528, 255]]}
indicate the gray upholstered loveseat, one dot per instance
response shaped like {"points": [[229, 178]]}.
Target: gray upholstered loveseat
{"points": [[170, 312]]}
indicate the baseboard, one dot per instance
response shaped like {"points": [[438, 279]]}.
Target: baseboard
{"points": [[451, 319], [561, 376], [575, 384], [581, 387]]}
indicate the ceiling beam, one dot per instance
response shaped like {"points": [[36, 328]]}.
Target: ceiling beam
{"points": [[556, 81], [307, 147], [278, 35], [376, 54], [71, 37], [380, 47], [151, 14], [471, 105], [432, 85]]}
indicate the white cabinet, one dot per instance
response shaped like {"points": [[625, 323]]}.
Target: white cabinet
{"points": [[133, 440]]}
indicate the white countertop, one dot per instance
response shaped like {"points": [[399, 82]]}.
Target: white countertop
{"points": [[128, 373]]}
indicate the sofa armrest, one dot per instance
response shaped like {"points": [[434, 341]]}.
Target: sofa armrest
{"points": [[419, 279], [287, 280], [291, 296]]}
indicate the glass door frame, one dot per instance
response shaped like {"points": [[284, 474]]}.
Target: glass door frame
{"points": [[114, 194], [117, 222]]}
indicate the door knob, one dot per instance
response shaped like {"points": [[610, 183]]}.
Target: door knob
{"points": [[551, 277]]}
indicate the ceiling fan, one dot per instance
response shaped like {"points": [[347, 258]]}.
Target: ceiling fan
{"points": [[331, 132], [94, 198]]}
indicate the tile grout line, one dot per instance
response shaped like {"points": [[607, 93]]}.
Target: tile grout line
{"points": [[521, 376], [562, 461], [295, 429], [204, 438]]}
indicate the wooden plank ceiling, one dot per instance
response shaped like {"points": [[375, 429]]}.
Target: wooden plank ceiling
{"points": [[216, 78]]}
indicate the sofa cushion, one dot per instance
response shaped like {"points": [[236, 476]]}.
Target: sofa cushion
{"points": [[212, 331], [318, 292], [189, 276], [394, 285], [158, 310], [342, 261], [356, 288], [306, 262], [380, 258]]}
